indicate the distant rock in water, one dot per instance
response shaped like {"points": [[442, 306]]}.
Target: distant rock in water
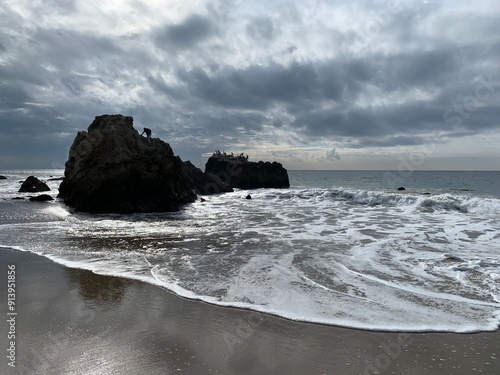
{"points": [[3, 178], [41, 198], [401, 188], [204, 183], [240, 173], [111, 168], [248, 196], [33, 185], [56, 179]]}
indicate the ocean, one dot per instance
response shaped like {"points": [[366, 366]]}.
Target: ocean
{"points": [[342, 248]]}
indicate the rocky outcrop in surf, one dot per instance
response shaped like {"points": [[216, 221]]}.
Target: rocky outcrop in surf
{"points": [[33, 185], [111, 168], [204, 183], [41, 198], [239, 172]]}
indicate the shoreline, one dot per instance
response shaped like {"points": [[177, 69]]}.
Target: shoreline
{"points": [[74, 321]]}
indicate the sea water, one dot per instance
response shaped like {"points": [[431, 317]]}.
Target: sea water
{"points": [[339, 247]]}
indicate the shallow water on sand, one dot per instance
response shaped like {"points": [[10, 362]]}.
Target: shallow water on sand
{"points": [[362, 256]]}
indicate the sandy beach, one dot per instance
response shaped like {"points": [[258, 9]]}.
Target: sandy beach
{"points": [[71, 321]]}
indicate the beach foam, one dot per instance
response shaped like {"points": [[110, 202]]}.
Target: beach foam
{"points": [[356, 258]]}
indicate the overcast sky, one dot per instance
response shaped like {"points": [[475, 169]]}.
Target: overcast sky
{"points": [[312, 84]]}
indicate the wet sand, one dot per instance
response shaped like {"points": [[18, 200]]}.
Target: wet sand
{"points": [[72, 321]]}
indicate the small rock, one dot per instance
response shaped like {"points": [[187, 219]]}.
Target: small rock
{"points": [[203, 200], [248, 196], [41, 198], [401, 188], [18, 198], [3, 178], [33, 185], [56, 179], [452, 258]]}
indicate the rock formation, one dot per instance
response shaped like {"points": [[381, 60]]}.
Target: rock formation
{"points": [[41, 198], [238, 172], [33, 185], [111, 168], [3, 178], [204, 183]]}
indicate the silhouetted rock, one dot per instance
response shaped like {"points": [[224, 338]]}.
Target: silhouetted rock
{"points": [[56, 179], [203, 183], [111, 168], [33, 185], [452, 259], [17, 198], [401, 188], [3, 178], [248, 196], [41, 198], [238, 172]]}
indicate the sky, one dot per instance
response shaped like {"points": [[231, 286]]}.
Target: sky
{"points": [[311, 84]]}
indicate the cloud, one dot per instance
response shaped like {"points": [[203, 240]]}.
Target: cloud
{"points": [[255, 76], [193, 30], [260, 29], [332, 154]]}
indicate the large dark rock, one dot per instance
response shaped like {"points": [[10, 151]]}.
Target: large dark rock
{"points": [[3, 178], [238, 172], [111, 168], [33, 185], [204, 183], [41, 198]]}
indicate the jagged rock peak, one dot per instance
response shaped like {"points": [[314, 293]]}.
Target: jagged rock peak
{"points": [[112, 168]]}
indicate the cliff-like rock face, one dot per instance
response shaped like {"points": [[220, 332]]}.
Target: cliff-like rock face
{"points": [[238, 172], [204, 183], [111, 168]]}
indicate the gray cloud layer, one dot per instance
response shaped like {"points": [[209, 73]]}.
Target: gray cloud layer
{"points": [[229, 75]]}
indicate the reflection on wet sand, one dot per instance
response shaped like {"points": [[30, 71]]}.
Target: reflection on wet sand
{"points": [[104, 290]]}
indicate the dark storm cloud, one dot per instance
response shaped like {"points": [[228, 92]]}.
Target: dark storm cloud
{"points": [[191, 31], [233, 122], [67, 49], [306, 88], [388, 141], [422, 68], [222, 76], [13, 97], [254, 87]]}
